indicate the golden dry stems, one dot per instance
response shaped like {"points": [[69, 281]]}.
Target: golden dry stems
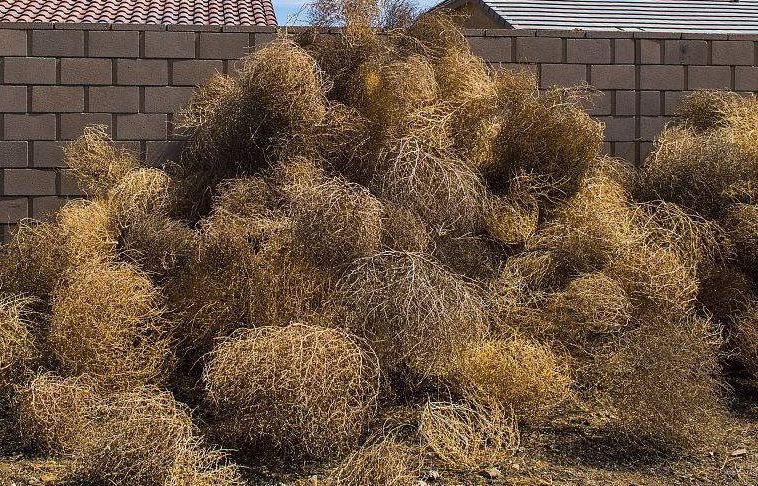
{"points": [[18, 349], [412, 310], [96, 162], [334, 221], [725, 292], [516, 373], [33, 260], [663, 379], [157, 245], [706, 109], [403, 230], [52, 411], [473, 257], [300, 387], [740, 222], [745, 338], [512, 218], [137, 437], [547, 135], [468, 436], [139, 193], [386, 462], [446, 193], [107, 320], [709, 159]]}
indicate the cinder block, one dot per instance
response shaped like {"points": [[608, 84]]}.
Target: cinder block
{"points": [[69, 185], [618, 129], [49, 154], [58, 43], [14, 154], [45, 207], [686, 52], [13, 210], [113, 44], [588, 51], [86, 71], [28, 182], [194, 72], [650, 51], [114, 99], [600, 105], [13, 42], [624, 51], [492, 49], [650, 103], [57, 99], [170, 45], [166, 99], [151, 72], [563, 75], [612, 76], [662, 77], [141, 126], [539, 49], [29, 70], [262, 38], [13, 99], [651, 126], [626, 103], [645, 149], [709, 77], [160, 151], [72, 124], [672, 100], [29, 127], [733, 53], [746, 78], [217, 45], [626, 151]]}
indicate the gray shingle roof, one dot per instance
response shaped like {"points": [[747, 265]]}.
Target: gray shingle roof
{"points": [[721, 16]]}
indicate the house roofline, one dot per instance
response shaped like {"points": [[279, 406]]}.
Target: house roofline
{"points": [[453, 4]]}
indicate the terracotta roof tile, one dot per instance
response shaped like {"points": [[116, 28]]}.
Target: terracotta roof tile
{"points": [[213, 12]]}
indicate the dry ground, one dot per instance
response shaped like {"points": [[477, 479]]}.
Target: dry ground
{"points": [[578, 453]]}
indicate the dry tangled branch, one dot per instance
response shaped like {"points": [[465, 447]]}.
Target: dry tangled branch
{"points": [[412, 310], [468, 436], [107, 320], [299, 387]]}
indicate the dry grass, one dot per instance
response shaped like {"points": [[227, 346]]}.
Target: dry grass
{"points": [[96, 162], [403, 230], [547, 135], [441, 189], [387, 462], [158, 246], [468, 436], [334, 221], [139, 193], [412, 310], [710, 158], [704, 110], [52, 411], [136, 437], [33, 261], [302, 388], [746, 338], [107, 320], [741, 223], [18, 350], [517, 373], [663, 380]]}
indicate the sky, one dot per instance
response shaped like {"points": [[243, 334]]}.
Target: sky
{"points": [[287, 10]]}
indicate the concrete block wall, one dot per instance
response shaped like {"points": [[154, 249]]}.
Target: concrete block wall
{"points": [[57, 78]]}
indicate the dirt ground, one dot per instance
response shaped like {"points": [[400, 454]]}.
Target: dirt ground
{"points": [[574, 454]]}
